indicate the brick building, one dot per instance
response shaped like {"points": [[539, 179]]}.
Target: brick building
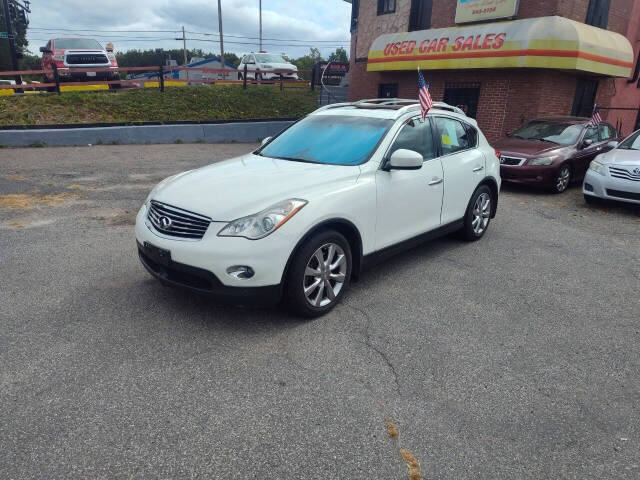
{"points": [[504, 61]]}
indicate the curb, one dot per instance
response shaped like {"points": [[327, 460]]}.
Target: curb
{"points": [[245, 132]]}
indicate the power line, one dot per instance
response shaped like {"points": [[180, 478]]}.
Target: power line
{"points": [[107, 31], [272, 39]]}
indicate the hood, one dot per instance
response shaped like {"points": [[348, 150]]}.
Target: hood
{"points": [[526, 148], [79, 50], [630, 158], [246, 185]]}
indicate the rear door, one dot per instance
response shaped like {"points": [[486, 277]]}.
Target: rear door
{"points": [[463, 165]]}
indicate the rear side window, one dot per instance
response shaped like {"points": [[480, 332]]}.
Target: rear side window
{"points": [[472, 135], [453, 136], [416, 136]]}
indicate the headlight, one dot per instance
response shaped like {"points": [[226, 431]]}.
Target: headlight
{"points": [[597, 167], [265, 222], [59, 58], [542, 160]]}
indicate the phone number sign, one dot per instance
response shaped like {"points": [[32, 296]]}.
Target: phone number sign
{"points": [[481, 10]]}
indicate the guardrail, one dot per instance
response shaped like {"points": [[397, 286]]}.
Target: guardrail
{"points": [[160, 76]]}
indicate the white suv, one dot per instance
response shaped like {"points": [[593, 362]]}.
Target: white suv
{"points": [[302, 215]]}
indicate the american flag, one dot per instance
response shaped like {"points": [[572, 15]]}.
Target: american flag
{"points": [[423, 92], [596, 118]]}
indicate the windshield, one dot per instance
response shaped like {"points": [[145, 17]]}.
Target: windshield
{"points": [[266, 58], [632, 142], [76, 44], [332, 140], [554, 132]]}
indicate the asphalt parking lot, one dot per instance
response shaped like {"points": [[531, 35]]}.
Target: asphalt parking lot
{"points": [[514, 357]]}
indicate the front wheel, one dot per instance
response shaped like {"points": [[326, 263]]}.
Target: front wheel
{"points": [[319, 275], [563, 178], [478, 216]]}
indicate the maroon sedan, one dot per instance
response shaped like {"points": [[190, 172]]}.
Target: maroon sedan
{"points": [[553, 151]]}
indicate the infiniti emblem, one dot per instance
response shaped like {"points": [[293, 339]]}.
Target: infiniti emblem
{"points": [[636, 171], [165, 223]]}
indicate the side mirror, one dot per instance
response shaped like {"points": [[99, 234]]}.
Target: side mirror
{"points": [[586, 143], [403, 159], [612, 144], [266, 140]]}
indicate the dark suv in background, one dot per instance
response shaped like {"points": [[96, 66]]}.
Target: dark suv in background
{"points": [[552, 152]]}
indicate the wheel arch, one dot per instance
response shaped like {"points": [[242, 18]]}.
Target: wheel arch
{"points": [[344, 227], [493, 186]]}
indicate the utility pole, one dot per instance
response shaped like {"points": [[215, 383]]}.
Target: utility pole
{"points": [[184, 46], [260, 25], [12, 42], [221, 39]]}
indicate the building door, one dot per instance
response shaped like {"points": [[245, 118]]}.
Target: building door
{"points": [[388, 90], [463, 95], [585, 97]]}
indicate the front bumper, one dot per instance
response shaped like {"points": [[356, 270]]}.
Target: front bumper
{"points": [[543, 175], [276, 76], [67, 74], [210, 257], [609, 188]]}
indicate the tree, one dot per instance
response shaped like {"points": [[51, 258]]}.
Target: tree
{"points": [[19, 24], [306, 62], [340, 55]]}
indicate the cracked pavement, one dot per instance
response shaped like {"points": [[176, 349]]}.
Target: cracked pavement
{"points": [[513, 357]]}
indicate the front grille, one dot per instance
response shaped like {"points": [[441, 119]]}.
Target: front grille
{"points": [[86, 59], [619, 172], [621, 194], [176, 222], [513, 161]]}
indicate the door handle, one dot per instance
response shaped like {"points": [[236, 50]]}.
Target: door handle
{"points": [[435, 181], [478, 168]]}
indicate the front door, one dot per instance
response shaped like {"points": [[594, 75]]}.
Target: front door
{"points": [[409, 201]]}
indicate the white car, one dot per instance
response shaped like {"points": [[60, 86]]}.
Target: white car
{"points": [[302, 215], [267, 66], [615, 175]]}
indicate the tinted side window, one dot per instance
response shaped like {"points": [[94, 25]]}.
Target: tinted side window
{"points": [[606, 132], [452, 135], [416, 136], [472, 134], [591, 134]]}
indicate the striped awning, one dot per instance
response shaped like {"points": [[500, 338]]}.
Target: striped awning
{"points": [[546, 42]]}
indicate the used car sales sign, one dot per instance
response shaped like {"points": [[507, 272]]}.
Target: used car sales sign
{"points": [[479, 10], [546, 42]]}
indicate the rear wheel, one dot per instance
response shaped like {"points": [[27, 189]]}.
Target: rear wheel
{"points": [[319, 275], [563, 178], [478, 216]]}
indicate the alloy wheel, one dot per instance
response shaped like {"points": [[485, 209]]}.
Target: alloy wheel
{"points": [[481, 213], [325, 275], [562, 181]]}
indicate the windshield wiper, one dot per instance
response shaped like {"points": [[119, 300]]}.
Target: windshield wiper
{"points": [[541, 140], [293, 159]]}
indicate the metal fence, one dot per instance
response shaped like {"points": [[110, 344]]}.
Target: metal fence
{"points": [[157, 74]]}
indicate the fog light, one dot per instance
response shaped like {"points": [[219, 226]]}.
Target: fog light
{"points": [[588, 187], [241, 272]]}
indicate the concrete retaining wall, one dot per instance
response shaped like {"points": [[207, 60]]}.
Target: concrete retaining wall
{"points": [[207, 133]]}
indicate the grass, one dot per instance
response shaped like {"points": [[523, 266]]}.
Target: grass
{"points": [[150, 105]]}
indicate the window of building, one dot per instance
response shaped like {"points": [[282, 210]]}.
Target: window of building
{"points": [[453, 135], [598, 13], [386, 6], [416, 136], [420, 17], [585, 97], [463, 95], [388, 90]]}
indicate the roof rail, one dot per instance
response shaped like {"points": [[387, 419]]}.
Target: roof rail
{"points": [[403, 105]]}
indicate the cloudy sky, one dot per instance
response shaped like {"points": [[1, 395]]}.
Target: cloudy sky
{"points": [[289, 26]]}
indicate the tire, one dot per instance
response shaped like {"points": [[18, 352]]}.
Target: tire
{"points": [[258, 77], [562, 179], [478, 215], [314, 256], [239, 76]]}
